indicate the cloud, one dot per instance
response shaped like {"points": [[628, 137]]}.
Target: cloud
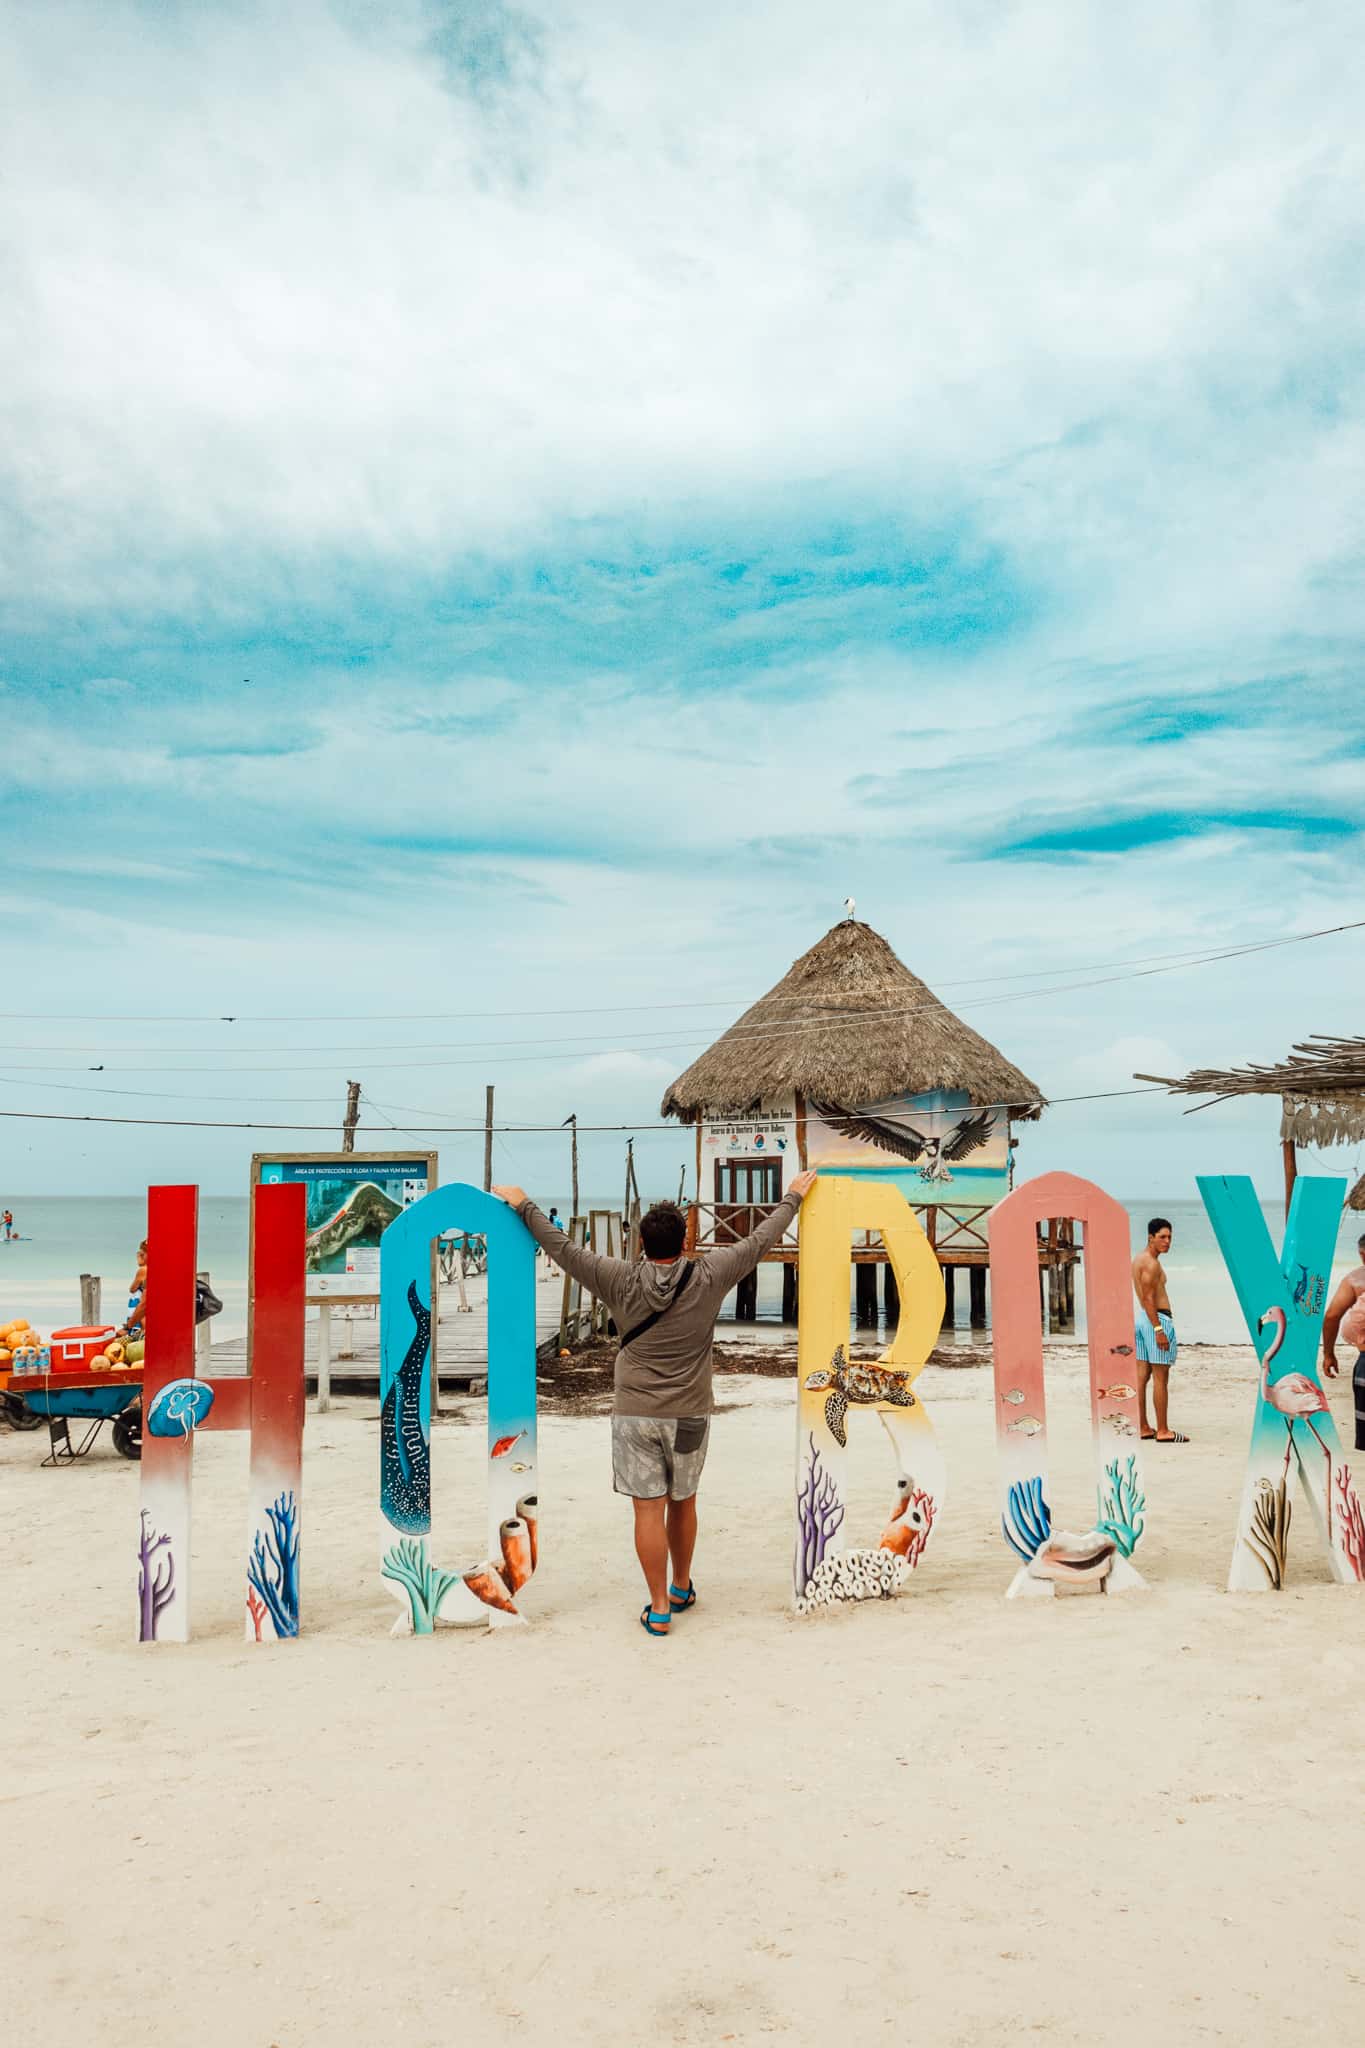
{"points": [[504, 508], [1102, 833]]}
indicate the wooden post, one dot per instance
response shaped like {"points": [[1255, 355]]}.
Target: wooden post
{"points": [[891, 1296], [801, 1130], [324, 1358], [571, 1124], [1291, 1169], [949, 1296], [1054, 1292], [90, 1301], [488, 1137], [352, 1116], [865, 1295], [790, 1296], [625, 1205], [977, 1285], [746, 1298]]}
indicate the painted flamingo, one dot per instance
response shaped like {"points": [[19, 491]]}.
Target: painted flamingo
{"points": [[1294, 1396]]}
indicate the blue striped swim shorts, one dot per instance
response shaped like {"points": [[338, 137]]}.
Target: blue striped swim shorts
{"points": [[1148, 1350]]}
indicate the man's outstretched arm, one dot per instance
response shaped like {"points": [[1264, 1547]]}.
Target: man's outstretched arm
{"points": [[731, 1264], [595, 1272]]}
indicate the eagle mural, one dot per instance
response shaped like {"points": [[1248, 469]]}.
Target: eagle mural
{"points": [[937, 1155]]}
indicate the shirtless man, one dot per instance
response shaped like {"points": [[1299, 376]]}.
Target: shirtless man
{"points": [[1156, 1342], [1345, 1319]]}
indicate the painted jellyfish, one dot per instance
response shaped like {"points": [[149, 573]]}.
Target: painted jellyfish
{"points": [[179, 1408]]}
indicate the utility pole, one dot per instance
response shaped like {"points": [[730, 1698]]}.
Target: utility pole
{"points": [[571, 1123], [488, 1136], [352, 1116]]}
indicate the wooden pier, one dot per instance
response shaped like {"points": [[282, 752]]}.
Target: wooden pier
{"points": [[960, 1243], [345, 1348]]}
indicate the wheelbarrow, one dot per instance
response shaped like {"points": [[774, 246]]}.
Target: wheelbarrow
{"points": [[61, 1398]]}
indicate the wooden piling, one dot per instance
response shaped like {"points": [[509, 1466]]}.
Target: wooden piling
{"points": [[891, 1297], [865, 1296], [90, 1301], [949, 1296], [746, 1299], [790, 1296], [976, 1280]]}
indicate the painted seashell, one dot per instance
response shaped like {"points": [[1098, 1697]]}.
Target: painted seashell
{"points": [[528, 1511], [515, 1538], [179, 1408], [487, 1584], [1065, 1558]]}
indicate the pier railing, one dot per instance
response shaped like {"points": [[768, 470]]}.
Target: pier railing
{"points": [[957, 1233]]}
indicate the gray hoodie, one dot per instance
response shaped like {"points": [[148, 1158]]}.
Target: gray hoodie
{"points": [[667, 1371]]}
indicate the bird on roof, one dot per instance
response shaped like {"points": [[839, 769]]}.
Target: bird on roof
{"points": [[849, 906]]}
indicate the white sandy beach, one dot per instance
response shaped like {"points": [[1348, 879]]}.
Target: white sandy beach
{"points": [[1126, 1821]]}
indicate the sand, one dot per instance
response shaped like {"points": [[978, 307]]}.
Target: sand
{"points": [[946, 1817]]}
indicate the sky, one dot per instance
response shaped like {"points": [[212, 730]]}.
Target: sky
{"points": [[508, 515]]}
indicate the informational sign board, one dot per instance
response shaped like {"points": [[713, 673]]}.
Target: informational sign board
{"points": [[352, 1197]]}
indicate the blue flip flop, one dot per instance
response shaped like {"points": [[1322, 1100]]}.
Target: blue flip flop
{"points": [[648, 1618], [679, 1601]]}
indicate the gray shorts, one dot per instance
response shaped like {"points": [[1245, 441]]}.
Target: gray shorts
{"points": [[654, 1455]]}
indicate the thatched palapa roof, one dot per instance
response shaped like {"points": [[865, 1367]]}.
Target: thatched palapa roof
{"points": [[1322, 1086], [848, 1024]]}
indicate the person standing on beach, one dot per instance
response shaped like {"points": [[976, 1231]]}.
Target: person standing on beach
{"points": [[665, 1307], [9, 1224], [1345, 1318], [1156, 1340]]}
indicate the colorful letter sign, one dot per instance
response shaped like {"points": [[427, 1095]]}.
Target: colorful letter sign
{"points": [[177, 1404], [830, 1389], [1282, 1301], [486, 1591], [1054, 1561]]}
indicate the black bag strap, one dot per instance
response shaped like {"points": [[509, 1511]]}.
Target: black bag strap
{"points": [[672, 1302]]}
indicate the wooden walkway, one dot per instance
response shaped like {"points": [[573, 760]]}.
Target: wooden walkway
{"points": [[353, 1350]]}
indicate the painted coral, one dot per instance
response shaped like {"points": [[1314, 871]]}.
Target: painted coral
{"points": [[1121, 1504], [273, 1567], [819, 1513], [155, 1585], [407, 1564]]}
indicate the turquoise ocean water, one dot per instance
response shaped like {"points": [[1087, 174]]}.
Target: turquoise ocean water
{"points": [[65, 1237]]}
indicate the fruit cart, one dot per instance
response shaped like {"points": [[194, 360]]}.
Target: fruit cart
{"points": [[74, 1389], [61, 1398]]}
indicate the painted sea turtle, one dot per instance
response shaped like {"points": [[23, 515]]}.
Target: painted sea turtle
{"points": [[863, 1385]]}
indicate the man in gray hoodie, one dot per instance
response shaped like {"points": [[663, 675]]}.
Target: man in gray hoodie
{"points": [[665, 1308]]}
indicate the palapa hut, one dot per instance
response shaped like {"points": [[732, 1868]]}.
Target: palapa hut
{"points": [[1321, 1087], [851, 1063]]}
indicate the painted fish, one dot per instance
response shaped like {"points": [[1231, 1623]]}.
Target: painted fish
{"points": [[1027, 1425], [518, 1468], [1016, 1395], [1122, 1392], [1121, 1350], [504, 1444]]}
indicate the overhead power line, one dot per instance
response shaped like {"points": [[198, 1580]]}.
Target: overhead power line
{"points": [[793, 1027], [1139, 961], [182, 1123]]}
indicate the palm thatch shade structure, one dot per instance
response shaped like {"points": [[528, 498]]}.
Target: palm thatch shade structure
{"points": [[1321, 1088], [848, 1023]]}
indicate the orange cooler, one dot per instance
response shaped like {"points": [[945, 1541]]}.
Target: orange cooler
{"points": [[72, 1350]]}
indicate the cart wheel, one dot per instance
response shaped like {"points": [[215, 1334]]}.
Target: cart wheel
{"points": [[17, 1413], [128, 1434]]}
